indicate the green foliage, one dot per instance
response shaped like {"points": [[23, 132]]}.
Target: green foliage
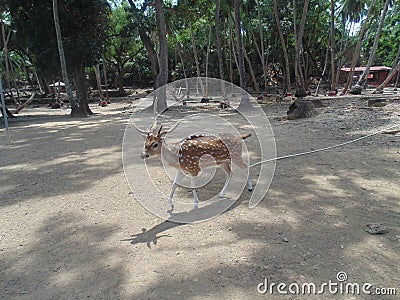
{"points": [[389, 41], [83, 25]]}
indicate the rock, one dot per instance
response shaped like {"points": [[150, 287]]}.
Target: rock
{"points": [[376, 228], [356, 90], [301, 109], [317, 103], [377, 102]]}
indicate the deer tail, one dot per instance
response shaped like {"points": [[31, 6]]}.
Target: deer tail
{"points": [[245, 136]]}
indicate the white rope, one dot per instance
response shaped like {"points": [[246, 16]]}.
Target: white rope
{"points": [[326, 148]]}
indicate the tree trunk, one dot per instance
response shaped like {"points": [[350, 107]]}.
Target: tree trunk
{"points": [[285, 54], [262, 54], [218, 40], [120, 79], [80, 86], [98, 80], [244, 101], [9, 113], [323, 72], [45, 85], [253, 76], [6, 58], [151, 52], [219, 47], [232, 48], [75, 109], [239, 44], [343, 46], [332, 39], [148, 44], [363, 78], [196, 57], [162, 79], [105, 80], [357, 50], [300, 82]]}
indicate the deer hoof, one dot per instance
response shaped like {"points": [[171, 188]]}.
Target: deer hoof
{"points": [[170, 210], [250, 190]]}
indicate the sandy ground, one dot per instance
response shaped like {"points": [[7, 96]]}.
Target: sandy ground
{"points": [[71, 229]]}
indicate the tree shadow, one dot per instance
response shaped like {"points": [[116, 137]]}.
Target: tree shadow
{"points": [[68, 259]]}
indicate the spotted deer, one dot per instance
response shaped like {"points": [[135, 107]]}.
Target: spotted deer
{"points": [[186, 154]]}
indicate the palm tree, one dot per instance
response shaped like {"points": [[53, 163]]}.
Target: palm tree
{"points": [[362, 80], [357, 50], [74, 105]]}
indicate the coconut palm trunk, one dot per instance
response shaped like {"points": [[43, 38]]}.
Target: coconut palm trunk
{"points": [[74, 105], [363, 78], [357, 50]]}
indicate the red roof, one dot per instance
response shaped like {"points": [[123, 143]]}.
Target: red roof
{"points": [[372, 69]]}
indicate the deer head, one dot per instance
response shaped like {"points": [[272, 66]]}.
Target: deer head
{"points": [[154, 141]]}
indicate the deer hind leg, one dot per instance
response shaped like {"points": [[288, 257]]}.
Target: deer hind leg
{"points": [[179, 176], [227, 169], [196, 198], [242, 165]]}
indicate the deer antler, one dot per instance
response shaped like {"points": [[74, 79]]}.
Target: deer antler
{"points": [[140, 130], [169, 130]]}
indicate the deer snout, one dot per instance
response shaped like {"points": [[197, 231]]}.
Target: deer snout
{"points": [[144, 155]]}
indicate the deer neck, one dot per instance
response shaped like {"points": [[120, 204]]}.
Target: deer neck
{"points": [[170, 153]]}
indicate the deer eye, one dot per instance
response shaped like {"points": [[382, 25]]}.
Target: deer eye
{"points": [[155, 145]]}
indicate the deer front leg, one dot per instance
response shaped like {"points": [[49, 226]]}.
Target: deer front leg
{"points": [[179, 176]]}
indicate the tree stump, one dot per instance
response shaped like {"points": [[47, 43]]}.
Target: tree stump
{"points": [[301, 109]]}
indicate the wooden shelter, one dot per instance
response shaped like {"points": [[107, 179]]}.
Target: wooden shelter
{"points": [[377, 74]]}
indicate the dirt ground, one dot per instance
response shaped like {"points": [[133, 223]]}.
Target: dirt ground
{"points": [[70, 227]]}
